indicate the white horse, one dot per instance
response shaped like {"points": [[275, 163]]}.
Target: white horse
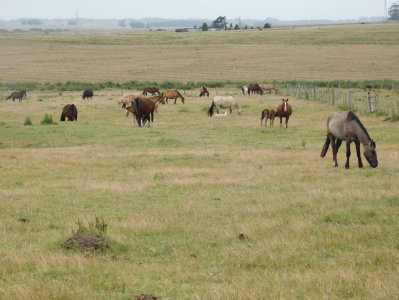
{"points": [[244, 90], [224, 102]]}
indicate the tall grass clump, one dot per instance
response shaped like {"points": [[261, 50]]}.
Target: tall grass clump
{"points": [[47, 120], [27, 121]]}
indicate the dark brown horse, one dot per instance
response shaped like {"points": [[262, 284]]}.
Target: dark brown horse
{"points": [[70, 112], [172, 94], [284, 110], [204, 92], [346, 126], [87, 93], [144, 109], [254, 88], [152, 90], [267, 114], [17, 95]]}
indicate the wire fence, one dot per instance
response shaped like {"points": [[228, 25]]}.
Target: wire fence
{"points": [[384, 102]]}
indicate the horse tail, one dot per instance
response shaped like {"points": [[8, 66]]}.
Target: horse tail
{"points": [[62, 117], [138, 112], [325, 147], [211, 109], [262, 116]]}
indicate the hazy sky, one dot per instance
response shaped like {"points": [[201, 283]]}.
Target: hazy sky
{"points": [[208, 9]]}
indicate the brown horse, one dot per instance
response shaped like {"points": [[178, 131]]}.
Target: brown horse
{"points": [[367, 87], [172, 94], [144, 109], [267, 114], [17, 95], [70, 112], [269, 88], [87, 93], [284, 110], [254, 88], [347, 126], [204, 92], [152, 90]]}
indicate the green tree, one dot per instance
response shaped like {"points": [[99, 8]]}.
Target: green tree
{"points": [[267, 25], [219, 23], [204, 27]]}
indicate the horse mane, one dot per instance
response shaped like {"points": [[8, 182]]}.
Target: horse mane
{"points": [[352, 117]]}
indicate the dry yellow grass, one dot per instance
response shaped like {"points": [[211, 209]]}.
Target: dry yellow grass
{"points": [[309, 53]]}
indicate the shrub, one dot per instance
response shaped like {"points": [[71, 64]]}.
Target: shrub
{"points": [[47, 120], [27, 121]]}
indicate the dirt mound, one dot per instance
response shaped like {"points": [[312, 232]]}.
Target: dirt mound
{"points": [[85, 242], [145, 297]]}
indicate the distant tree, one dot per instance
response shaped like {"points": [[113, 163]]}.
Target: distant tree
{"points": [[136, 24], [72, 22], [236, 27], [267, 25], [122, 23], [32, 22], [204, 27], [393, 12], [219, 23], [246, 27]]}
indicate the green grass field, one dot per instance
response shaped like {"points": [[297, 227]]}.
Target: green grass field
{"points": [[177, 197]]}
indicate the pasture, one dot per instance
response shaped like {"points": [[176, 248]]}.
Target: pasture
{"points": [[197, 207]]}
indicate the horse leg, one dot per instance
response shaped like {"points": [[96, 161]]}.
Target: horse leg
{"points": [[231, 110], [359, 157], [175, 100], [335, 147], [348, 153], [281, 121], [286, 122]]}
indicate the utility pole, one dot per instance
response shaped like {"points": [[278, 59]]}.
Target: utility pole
{"points": [[77, 22]]}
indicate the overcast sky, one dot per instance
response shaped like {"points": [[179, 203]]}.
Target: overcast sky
{"points": [[208, 9]]}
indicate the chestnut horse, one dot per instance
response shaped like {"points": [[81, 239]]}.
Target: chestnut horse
{"points": [[151, 89], [254, 88], [70, 112], [172, 94], [284, 110], [267, 114], [347, 126], [204, 92]]}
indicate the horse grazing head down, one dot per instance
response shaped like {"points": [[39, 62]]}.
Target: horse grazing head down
{"points": [[370, 154]]}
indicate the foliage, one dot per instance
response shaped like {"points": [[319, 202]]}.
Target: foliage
{"points": [[47, 120], [219, 23], [97, 227], [267, 25], [393, 12], [27, 121], [204, 27]]}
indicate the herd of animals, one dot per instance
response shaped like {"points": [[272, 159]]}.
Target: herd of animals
{"points": [[341, 126]]}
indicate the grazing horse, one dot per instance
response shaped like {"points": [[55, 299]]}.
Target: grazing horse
{"points": [[269, 88], [152, 90], [17, 95], [144, 109], [204, 92], [254, 88], [367, 87], [267, 114], [70, 112], [284, 110], [347, 126], [172, 94], [87, 93], [224, 102]]}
